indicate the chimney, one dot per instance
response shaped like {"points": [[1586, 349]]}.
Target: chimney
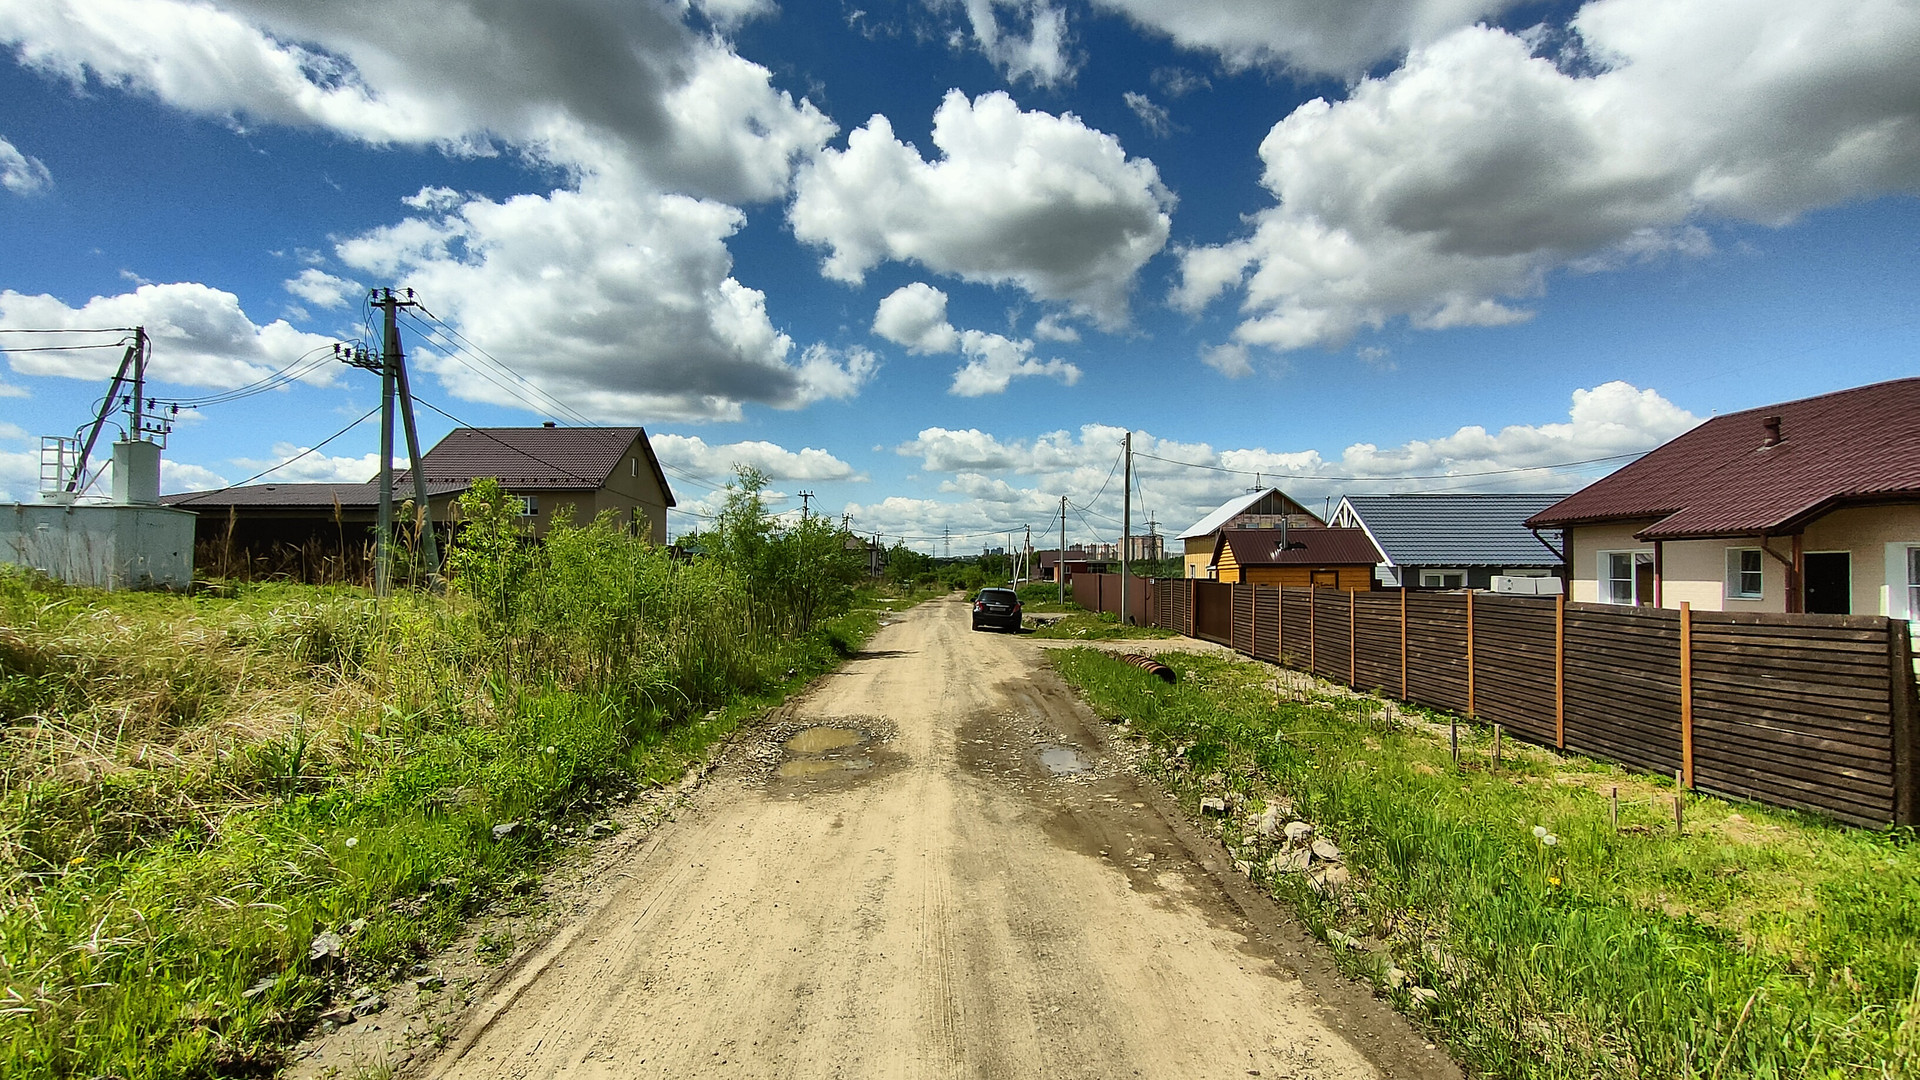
{"points": [[549, 423], [1773, 431]]}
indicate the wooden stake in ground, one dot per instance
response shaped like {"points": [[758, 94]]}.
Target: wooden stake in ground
{"points": [[1679, 812], [1614, 813], [1453, 738], [1496, 746]]}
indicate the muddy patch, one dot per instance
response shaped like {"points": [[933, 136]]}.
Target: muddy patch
{"points": [[1065, 761], [803, 755]]}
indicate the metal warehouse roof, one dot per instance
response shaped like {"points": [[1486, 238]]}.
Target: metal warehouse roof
{"points": [[1454, 529], [1319, 547], [1731, 477]]}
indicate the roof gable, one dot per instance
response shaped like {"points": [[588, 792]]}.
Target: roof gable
{"points": [[1241, 504], [1452, 528], [538, 458], [1725, 477]]}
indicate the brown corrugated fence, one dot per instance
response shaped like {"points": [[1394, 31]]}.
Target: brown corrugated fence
{"points": [[1814, 712]]}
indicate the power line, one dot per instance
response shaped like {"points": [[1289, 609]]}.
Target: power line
{"points": [[62, 348], [1432, 476], [289, 461], [1103, 485], [100, 330]]}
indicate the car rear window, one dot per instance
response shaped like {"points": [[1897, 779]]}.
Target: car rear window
{"points": [[998, 596]]}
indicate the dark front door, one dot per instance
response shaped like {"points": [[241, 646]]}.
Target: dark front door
{"points": [[1829, 582]]}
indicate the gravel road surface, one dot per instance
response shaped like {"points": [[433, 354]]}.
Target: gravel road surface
{"points": [[931, 865]]}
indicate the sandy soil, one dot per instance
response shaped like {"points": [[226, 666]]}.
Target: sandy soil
{"points": [[930, 865]]}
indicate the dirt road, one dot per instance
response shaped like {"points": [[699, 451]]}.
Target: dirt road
{"points": [[930, 867]]}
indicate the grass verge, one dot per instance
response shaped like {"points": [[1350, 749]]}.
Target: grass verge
{"points": [[217, 811], [1752, 944], [1082, 625]]}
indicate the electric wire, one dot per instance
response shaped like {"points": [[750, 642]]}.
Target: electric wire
{"points": [[1429, 476], [267, 472]]}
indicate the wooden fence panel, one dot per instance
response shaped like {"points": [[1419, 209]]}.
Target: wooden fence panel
{"points": [[1800, 719], [1437, 650], [1623, 685], [1513, 668], [1330, 644], [1377, 628], [1294, 625], [1242, 629], [1266, 624]]}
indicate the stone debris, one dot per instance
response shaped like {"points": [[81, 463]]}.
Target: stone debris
{"points": [[261, 987], [1294, 861], [369, 1005], [430, 982], [1213, 805], [1326, 850], [1336, 937], [1396, 977], [341, 1015], [1298, 832], [505, 829], [327, 945], [1422, 996], [1268, 822], [1327, 878], [1244, 867]]}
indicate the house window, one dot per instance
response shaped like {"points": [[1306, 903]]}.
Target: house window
{"points": [[1443, 579], [1744, 578], [633, 466], [529, 505], [1913, 583], [1626, 577]]}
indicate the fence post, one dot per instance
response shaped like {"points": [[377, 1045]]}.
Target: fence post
{"points": [[1403, 643], [1233, 611], [1560, 670], [1469, 652], [1353, 643], [1905, 718], [1686, 692]]}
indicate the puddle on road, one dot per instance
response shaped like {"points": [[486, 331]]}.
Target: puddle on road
{"points": [[819, 752], [1064, 761], [819, 740]]}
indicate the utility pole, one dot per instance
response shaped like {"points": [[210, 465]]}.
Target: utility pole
{"points": [[1256, 484], [393, 387], [946, 541], [805, 498], [1126, 527], [1153, 537], [1060, 564]]}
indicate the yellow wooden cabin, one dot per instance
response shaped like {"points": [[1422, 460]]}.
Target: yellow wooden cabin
{"points": [[1327, 558]]}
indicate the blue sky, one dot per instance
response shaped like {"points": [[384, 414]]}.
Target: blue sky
{"points": [[930, 259]]}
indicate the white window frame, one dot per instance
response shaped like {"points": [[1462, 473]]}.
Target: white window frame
{"points": [[1604, 579], [1903, 580], [1737, 573], [529, 505], [1437, 579]]}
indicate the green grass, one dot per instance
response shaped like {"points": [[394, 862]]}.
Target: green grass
{"points": [[1082, 625], [1753, 944], [193, 788]]}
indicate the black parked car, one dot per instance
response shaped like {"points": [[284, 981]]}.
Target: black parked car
{"points": [[997, 607]]}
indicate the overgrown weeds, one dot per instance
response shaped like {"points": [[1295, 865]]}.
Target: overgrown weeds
{"points": [[198, 793], [1082, 625], [1501, 907]]}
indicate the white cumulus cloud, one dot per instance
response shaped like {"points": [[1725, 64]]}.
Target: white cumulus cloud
{"points": [[321, 289], [1311, 36], [578, 82], [1445, 192], [1040, 56], [316, 468], [916, 316], [200, 336], [20, 173], [717, 462], [1021, 198], [619, 302], [1014, 480]]}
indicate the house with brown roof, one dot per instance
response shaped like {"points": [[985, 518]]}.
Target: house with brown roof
{"points": [[1809, 505], [1266, 508], [1322, 557], [587, 470]]}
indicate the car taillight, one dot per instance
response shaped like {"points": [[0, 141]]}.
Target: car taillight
{"points": [[979, 606]]}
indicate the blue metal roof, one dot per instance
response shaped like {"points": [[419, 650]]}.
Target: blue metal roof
{"points": [[1439, 529]]}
